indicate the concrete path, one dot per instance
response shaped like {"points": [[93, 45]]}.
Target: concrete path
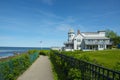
{"points": [[39, 70]]}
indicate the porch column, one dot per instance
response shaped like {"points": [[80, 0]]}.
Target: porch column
{"points": [[105, 46], [98, 47]]}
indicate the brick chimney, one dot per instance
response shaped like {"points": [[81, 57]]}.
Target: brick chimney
{"points": [[78, 32]]}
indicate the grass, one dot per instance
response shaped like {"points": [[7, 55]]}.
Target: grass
{"points": [[55, 76], [107, 58]]}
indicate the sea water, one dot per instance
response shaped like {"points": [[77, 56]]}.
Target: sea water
{"points": [[9, 51]]}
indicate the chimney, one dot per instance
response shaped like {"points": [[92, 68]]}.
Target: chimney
{"points": [[78, 32]]}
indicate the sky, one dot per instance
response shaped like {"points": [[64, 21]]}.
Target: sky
{"points": [[45, 23]]}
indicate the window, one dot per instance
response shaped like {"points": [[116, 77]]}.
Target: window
{"points": [[101, 46], [88, 39], [78, 40]]}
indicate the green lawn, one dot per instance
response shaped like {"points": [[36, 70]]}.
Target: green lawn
{"points": [[106, 58]]}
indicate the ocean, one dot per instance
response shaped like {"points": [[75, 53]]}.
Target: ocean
{"points": [[9, 51]]}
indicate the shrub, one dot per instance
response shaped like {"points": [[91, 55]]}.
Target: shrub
{"points": [[74, 74], [63, 70], [32, 51], [11, 68], [44, 52]]}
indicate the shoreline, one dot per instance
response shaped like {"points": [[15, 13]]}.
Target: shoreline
{"points": [[10, 54], [1, 57]]}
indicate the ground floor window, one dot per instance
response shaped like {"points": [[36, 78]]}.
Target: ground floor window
{"points": [[92, 47], [69, 46], [101, 46]]}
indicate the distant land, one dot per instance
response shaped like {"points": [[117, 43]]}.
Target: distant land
{"points": [[9, 51]]}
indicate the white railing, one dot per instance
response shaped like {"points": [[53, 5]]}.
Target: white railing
{"points": [[68, 42], [98, 42]]}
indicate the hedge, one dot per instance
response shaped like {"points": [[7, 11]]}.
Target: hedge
{"points": [[44, 52], [66, 66], [11, 68], [63, 71]]}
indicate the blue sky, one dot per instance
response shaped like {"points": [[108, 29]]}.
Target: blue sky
{"points": [[24, 23]]}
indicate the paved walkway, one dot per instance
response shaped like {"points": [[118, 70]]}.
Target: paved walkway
{"points": [[39, 70]]}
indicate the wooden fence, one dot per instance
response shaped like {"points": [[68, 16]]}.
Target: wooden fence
{"points": [[90, 71]]}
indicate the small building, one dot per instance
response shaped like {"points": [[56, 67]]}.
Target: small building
{"points": [[56, 48], [87, 41]]}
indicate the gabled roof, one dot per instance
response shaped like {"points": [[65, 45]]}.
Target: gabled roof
{"points": [[89, 33], [96, 38], [92, 32]]}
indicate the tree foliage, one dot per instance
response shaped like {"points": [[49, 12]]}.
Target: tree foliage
{"points": [[111, 34], [114, 37], [116, 40]]}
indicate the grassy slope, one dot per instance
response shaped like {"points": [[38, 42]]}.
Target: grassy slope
{"points": [[107, 58]]}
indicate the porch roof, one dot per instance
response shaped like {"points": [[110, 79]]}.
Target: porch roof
{"points": [[96, 38], [97, 43], [68, 43]]}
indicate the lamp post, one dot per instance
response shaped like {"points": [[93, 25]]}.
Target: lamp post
{"points": [[41, 45]]}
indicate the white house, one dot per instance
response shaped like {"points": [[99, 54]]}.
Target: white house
{"points": [[87, 41]]}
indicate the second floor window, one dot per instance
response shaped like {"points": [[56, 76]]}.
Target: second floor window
{"points": [[78, 40]]}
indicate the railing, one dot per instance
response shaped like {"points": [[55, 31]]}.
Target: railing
{"points": [[98, 42], [68, 42], [90, 71]]}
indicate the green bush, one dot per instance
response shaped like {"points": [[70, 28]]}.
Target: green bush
{"points": [[74, 74], [11, 68], [67, 70], [63, 70], [32, 51], [44, 52]]}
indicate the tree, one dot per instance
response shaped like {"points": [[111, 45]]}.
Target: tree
{"points": [[111, 34], [116, 40]]}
